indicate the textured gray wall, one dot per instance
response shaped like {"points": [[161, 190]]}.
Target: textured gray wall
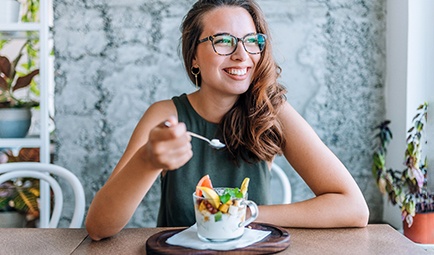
{"points": [[114, 58]]}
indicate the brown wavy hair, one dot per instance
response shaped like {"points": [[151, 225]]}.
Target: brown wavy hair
{"points": [[250, 129]]}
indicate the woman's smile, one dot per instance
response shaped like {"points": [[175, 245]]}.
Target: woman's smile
{"points": [[236, 71]]}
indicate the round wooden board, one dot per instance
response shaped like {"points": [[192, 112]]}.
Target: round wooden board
{"points": [[277, 240]]}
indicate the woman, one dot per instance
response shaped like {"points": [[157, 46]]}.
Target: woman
{"points": [[227, 53]]}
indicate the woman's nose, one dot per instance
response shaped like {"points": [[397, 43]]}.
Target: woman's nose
{"points": [[240, 53]]}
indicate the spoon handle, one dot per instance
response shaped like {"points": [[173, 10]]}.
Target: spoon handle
{"points": [[199, 136], [211, 143]]}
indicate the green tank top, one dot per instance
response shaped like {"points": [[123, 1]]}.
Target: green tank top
{"points": [[177, 187]]}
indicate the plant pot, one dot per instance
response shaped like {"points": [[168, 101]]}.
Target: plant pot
{"points": [[422, 230], [12, 220], [14, 122], [9, 11]]}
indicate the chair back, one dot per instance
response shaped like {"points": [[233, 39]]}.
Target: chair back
{"points": [[42, 171], [279, 176]]}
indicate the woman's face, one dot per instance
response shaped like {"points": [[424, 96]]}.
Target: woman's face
{"points": [[231, 74]]}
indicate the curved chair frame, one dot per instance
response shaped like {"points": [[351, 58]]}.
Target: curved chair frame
{"points": [[40, 171], [284, 181]]}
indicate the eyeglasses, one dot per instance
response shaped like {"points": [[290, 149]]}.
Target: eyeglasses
{"points": [[226, 44]]}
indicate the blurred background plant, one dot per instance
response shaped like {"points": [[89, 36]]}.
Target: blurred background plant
{"points": [[406, 188], [29, 52], [31, 12], [12, 80], [21, 194]]}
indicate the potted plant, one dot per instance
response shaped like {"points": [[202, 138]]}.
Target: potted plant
{"points": [[407, 188], [19, 198], [19, 202], [15, 114]]}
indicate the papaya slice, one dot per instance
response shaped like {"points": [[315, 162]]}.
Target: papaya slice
{"points": [[205, 181]]}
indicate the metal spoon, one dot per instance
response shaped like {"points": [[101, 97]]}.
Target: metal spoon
{"points": [[215, 143]]}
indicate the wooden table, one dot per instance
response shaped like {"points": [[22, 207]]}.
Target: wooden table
{"points": [[40, 241], [374, 239]]}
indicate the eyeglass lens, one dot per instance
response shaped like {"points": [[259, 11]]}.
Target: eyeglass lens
{"points": [[226, 44]]}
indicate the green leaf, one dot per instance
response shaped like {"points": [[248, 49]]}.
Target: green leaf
{"points": [[225, 198], [236, 193], [230, 193], [218, 216], [419, 126]]}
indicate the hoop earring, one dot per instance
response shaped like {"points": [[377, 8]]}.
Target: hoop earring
{"points": [[195, 74]]}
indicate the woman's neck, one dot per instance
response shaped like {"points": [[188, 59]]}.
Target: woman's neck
{"points": [[211, 107]]}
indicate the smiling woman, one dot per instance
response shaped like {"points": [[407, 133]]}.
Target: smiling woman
{"points": [[227, 52]]}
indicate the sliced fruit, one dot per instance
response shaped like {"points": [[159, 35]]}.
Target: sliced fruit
{"points": [[224, 208], [245, 185], [205, 181], [202, 206], [211, 195]]}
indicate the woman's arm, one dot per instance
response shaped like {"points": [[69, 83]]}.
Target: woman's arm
{"points": [[152, 148], [338, 202]]}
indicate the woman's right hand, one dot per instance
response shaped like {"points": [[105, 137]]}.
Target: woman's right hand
{"points": [[168, 145]]}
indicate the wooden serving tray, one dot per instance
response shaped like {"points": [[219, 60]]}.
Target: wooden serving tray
{"points": [[277, 240]]}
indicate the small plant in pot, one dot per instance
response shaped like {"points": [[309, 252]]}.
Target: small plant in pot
{"points": [[19, 197], [15, 114], [19, 201], [407, 188]]}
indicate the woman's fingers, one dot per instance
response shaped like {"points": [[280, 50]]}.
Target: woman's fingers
{"points": [[175, 157], [169, 145], [171, 121]]}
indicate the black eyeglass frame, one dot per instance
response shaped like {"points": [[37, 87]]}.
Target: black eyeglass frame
{"points": [[211, 39]]}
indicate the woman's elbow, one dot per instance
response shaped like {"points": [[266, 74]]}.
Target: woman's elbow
{"points": [[98, 230], [94, 237], [361, 215], [361, 221], [93, 232]]}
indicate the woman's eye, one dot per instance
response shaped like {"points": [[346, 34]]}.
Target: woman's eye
{"points": [[251, 40], [223, 41]]}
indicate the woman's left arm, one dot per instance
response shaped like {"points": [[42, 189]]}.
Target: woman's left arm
{"points": [[338, 201]]}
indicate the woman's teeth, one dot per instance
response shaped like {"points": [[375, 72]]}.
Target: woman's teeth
{"points": [[234, 71]]}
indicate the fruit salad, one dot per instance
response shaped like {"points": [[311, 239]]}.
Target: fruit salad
{"points": [[220, 211]]}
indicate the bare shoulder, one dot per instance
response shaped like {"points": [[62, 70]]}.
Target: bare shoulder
{"points": [[290, 118], [162, 108], [156, 113]]}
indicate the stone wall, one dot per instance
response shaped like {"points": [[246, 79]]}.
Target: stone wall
{"points": [[115, 58]]}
